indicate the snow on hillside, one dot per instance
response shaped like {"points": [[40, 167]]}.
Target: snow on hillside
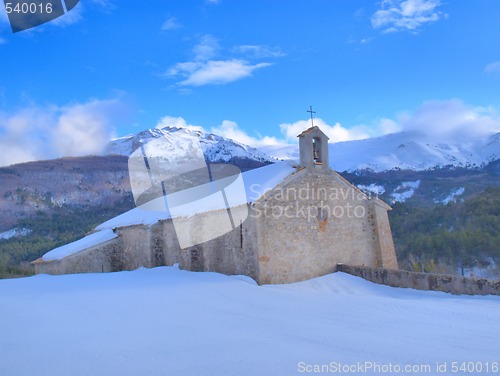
{"points": [[405, 150], [490, 271], [452, 197], [372, 189], [405, 191], [166, 321], [282, 151], [215, 148], [12, 233], [412, 150]]}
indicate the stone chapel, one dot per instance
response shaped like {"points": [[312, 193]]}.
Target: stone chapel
{"points": [[303, 219]]}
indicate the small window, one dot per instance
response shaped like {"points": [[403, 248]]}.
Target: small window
{"points": [[317, 150]]}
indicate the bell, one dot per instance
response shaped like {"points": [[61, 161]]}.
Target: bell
{"points": [[315, 155]]}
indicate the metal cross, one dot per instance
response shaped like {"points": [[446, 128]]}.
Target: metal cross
{"points": [[311, 112]]}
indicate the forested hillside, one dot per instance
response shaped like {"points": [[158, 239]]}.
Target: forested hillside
{"points": [[60, 226], [443, 237]]}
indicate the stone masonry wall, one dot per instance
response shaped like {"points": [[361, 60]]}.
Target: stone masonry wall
{"points": [[424, 281], [136, 247], [97, 259], [309, 224], [231, 253], [383, 235]]}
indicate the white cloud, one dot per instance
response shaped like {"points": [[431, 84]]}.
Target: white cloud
{"points": [[216, 72], [230, 129], [289, 131], [170, 24], [451, 120], [493, 67], [335, 132], [206, 49], [106, 5], [85, 129], [214, 2], [36, 132], [204, 69], [443, 120], [405, 15], [177, 122], [17, 140], [386, 126], [260, 51]]}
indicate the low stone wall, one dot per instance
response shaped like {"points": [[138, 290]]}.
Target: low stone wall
{"points": [[424, 281]]}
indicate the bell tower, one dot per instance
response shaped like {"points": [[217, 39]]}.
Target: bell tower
{"points": [[313, 145]]}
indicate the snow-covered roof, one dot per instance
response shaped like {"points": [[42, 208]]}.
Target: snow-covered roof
{"points": [[87, 242], [256, 183]]}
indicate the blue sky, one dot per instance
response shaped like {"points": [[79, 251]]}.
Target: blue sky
{"points": [[247, 69]]}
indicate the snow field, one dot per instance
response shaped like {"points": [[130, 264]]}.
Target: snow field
{"points": [[166, 321]]}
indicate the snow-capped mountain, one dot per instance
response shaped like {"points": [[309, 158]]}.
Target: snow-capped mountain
{"points": [[406, 150], [215, 148], [413, 151]]}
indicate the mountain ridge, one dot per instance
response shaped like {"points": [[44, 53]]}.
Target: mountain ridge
{"points": [[215, 148], [409, 150]]}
